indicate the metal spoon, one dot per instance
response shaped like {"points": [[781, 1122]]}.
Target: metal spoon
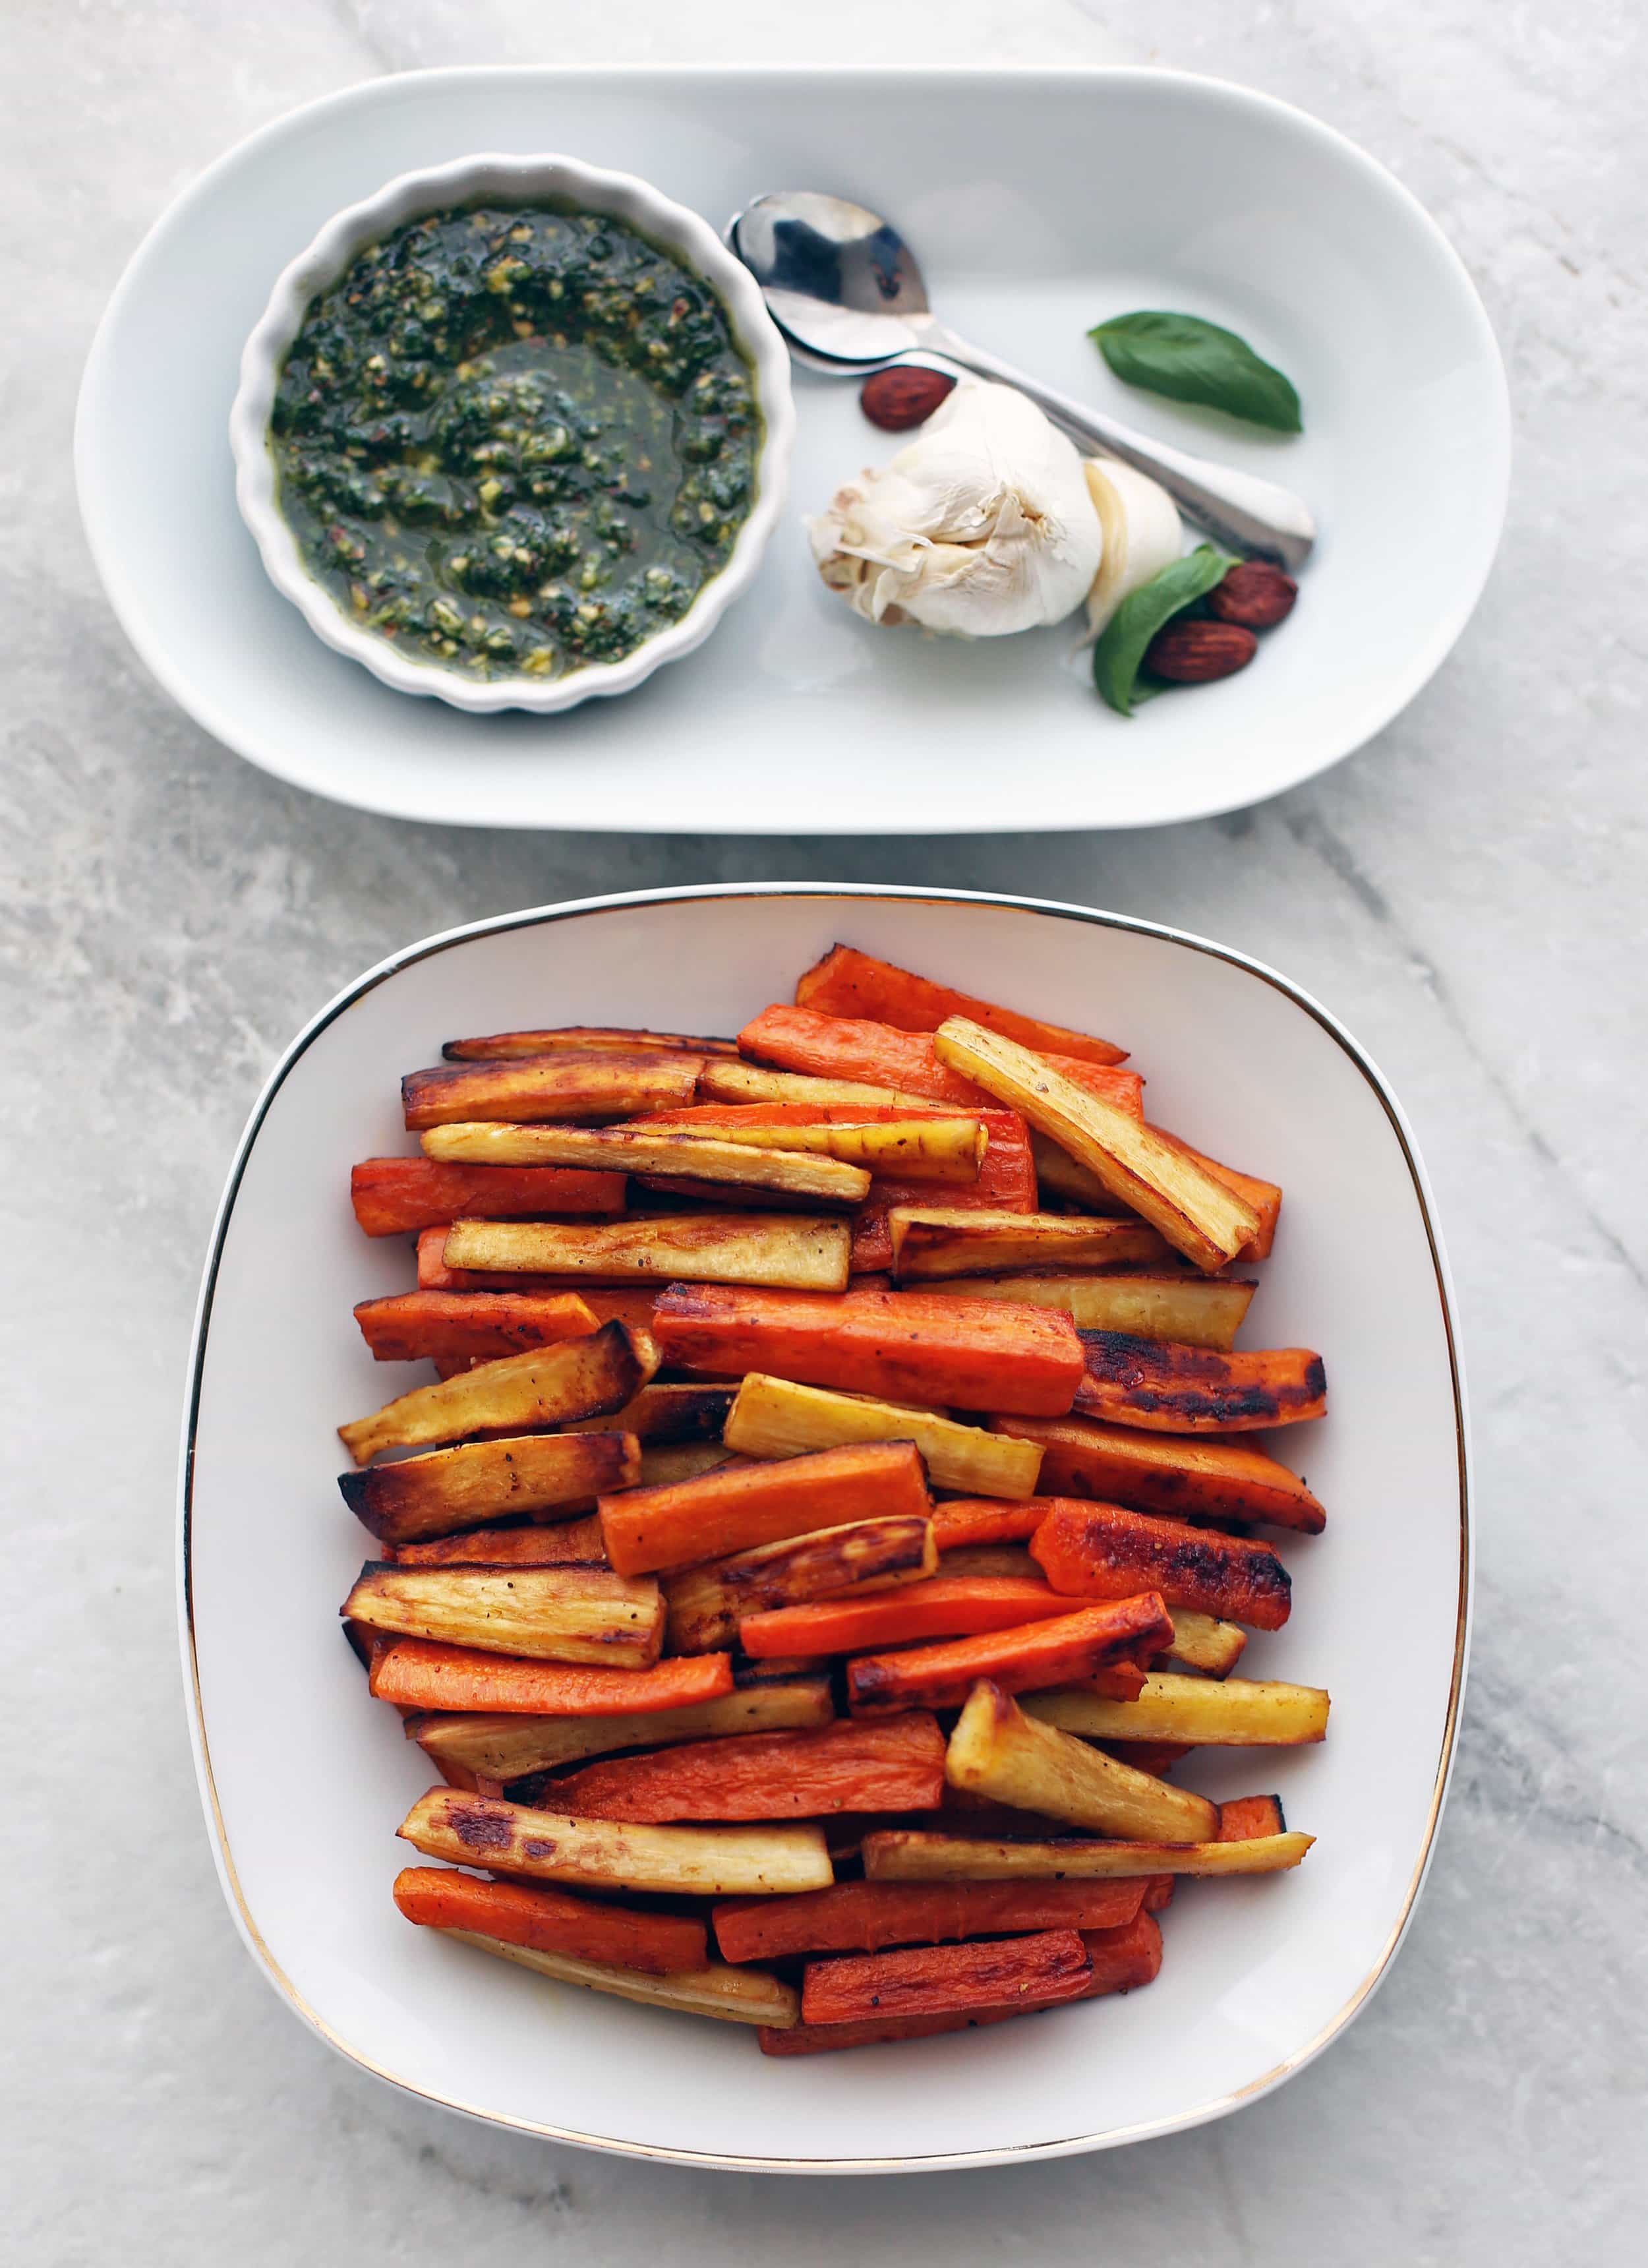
{"points": [[844, 288]]}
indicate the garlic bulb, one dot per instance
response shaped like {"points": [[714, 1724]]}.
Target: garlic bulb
{"points": [[982, 525], [1142, 535]]}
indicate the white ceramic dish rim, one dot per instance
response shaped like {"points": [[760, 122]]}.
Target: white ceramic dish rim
{"points": [[430, 189], [1379, 709], [1067, 2146]]}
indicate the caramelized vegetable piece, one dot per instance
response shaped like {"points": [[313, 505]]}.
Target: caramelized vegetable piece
{"points": [[894, 1346], [548, 1385], [933, 1240], [922, 1146], [1125, 1958], [505, 1748], [1101, 1551], [1156, 1472], [417, 1672], [744, 1082], [896, 1766], [736, 1996], [449, 1326], [397, 1196], [869, 1917], [996, 1750], [547, 1614], [1188, 1389], [912, 1855], [551, 1921], [706, 1604], [1037, 1971], [780, 1248], [1250, 1818], [848, 982], [965, 1521], [1196, 1214], [1263, 1196], [946, 1606], [906, 1063], [775, 1417], [639, 1150], [576, 1088], [575, 1543], [671, 1412], [654, 1529], [605, 1854], [1058, 1651], [581, 1039], [483, 1481], [1197, 1311], [1203, 1642], [1200, 1712]]}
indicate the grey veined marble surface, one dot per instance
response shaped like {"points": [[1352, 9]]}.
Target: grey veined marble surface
{"points": [[1467, 894]]}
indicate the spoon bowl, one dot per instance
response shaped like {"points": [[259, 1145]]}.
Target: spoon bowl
{"points": [[848, 294]]}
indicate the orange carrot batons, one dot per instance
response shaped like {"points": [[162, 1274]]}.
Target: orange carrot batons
{"points": [[551, 1920], [848, 982], [908, 1346]]}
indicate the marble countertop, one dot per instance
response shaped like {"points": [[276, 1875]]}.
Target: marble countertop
{"points": [[1466, 895]]}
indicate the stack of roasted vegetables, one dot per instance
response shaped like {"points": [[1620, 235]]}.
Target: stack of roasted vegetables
{"points": [[831, 1522]]}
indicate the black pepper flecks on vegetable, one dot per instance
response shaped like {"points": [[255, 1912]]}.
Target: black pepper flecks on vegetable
{"points": [[515, 439]]}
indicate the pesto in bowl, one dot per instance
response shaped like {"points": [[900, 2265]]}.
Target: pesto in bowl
{"points": [[515, 440]]}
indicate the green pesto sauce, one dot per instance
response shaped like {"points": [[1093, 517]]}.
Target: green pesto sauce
{"points": [[516, 441]]}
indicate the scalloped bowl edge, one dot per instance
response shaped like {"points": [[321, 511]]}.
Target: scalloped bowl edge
{"points": [[519, 178]]}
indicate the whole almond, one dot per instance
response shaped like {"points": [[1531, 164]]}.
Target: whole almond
{"points": [[1256, 595], [1195, 652], [896, 399]]}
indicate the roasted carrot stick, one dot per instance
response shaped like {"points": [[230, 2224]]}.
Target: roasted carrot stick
{"points": [[462, 1327], [945, 1606], [1126, 1956], [433, 1275], [876, 2031], [1247, 1818], [877, 1055], [869, 1917], [650, 1530], [395, 1196], [968, 1519], [1102, 1551], [1162, 1472], [1170, 1389], [422, 1674], [577, 1544], [896, 1345], [896, 1766], [1064, 1649], [551, 1921], [931, 1980], [848, 982]]}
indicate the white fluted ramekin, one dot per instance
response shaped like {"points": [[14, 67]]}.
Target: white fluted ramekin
{"points": [[525, 182]]}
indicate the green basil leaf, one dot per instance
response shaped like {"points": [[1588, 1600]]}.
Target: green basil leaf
{"points": [[1120, 652], [1189, 360]]}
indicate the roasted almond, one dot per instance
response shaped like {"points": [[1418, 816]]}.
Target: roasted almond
{"points": [[896, 400], [1253, 594], [1195, 652]]}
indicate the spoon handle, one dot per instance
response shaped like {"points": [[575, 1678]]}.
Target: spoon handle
{"points": [[1256, 516]]}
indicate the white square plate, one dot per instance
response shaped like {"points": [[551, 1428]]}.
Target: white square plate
{"points": [[1039, 203], [304, 1780]]}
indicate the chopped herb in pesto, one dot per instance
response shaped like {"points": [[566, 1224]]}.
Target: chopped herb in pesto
{"points": [[515, 440]]}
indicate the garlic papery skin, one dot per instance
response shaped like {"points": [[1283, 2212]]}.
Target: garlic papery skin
{"points": [[981, 526], [1142, 535]]}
